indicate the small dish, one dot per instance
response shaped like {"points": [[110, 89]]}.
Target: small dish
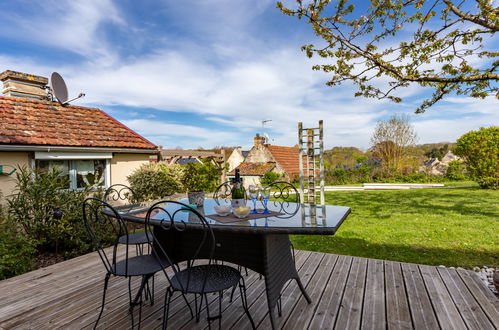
{"points": [[242, 211], [223, 210]]}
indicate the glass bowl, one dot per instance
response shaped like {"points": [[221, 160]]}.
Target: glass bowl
{"points": [[242, 211], [223, 210]]}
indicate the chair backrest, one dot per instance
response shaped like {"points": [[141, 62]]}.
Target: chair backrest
{"points": [[173, 216], [286, 198], [119, 194], [105, 226], [223, 193]]}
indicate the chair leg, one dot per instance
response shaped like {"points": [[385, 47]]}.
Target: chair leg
{"points": [[131, 302], [106, 282], [244, 300], [166, 307], [279, 306]]}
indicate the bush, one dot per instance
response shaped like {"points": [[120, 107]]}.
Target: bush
{"points": [[480, 150], [38, 194], [269, 178], [456, 171], [16, 250], [201, 177], [156, 180]]}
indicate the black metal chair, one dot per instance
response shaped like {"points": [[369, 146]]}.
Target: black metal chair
{"points": [[285, 197], [122, 196], [193, 278], [104, 225]]}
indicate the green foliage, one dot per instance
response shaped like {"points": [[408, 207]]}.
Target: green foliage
{"points": [[38, 194], [156, 180], [480, 150], [452, 227], [269, 178], [343, 156], [16, 250], [456, 171], [371, 48], [201, 177], [438, 153]]}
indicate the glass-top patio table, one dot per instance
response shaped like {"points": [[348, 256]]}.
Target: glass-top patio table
{"points": [[259, 244]]}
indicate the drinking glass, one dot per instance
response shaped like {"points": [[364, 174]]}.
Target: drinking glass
{"points": [[265, 192], [254, 191]]}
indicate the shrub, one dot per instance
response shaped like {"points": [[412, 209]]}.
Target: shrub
{"points": [[16, 250], [480, 150], [269, 178], [156, 180], [456, 171], [201, 177], [38, 194]]}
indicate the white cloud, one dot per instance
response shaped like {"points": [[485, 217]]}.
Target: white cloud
{"points": [[70, 25], [167, 134], [236, 83]]}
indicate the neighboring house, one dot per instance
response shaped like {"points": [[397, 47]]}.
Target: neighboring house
{"points": [[433, 166], [236, 157], [263, 158], [86, 144]]}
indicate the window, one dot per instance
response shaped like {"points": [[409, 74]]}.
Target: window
{"points": [[81, 173]]}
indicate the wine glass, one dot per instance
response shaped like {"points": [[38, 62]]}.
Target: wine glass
{"points": [[265, 192], [254, 191]]}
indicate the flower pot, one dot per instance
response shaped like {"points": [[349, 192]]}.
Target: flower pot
{"points": [[196, 198]]}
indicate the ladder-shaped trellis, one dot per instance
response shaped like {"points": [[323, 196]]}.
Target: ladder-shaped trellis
{"points": [[311, 154]]}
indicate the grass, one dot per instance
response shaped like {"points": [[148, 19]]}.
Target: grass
{"points": [[451, 227]]}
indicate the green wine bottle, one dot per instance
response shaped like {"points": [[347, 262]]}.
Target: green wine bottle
{"points": [[237, 191]]}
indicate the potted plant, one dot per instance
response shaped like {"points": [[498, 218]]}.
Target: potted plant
{"points": [[199, 179]]}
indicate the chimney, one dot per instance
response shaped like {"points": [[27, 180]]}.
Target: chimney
{"points": [[18, 84], [259, 140]]}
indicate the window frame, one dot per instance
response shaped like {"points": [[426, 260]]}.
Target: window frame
{"points": [[72, 171]]}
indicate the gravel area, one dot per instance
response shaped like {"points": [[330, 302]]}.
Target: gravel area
{"points": [[486, 275]]}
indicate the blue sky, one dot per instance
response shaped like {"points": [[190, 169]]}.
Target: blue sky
{"points": [[205, 73]]}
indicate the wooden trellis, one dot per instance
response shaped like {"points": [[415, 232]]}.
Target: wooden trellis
{"points": [[311, 158]]}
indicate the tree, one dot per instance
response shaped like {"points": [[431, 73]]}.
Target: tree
{"points": [[480, 150], [391, 139], [446, 52]]}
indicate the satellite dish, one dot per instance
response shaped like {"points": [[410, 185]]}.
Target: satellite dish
{"points": [[60, 90], [59, 87]]}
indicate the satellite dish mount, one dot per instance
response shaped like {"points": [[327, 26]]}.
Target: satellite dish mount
{"points": [[59, 89]]}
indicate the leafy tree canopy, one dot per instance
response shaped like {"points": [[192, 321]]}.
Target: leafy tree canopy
{"points": [[383, 45]]}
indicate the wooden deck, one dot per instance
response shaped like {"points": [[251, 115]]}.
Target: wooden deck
{"points": [[347, 293]]}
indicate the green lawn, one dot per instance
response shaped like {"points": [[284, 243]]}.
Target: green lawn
{"points": [[452, 227]]}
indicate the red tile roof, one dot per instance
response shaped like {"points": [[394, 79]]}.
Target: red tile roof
{"points": [[36, 122], [287, 157], [253, 168]]}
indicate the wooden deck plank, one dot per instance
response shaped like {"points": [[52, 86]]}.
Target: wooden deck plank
{"points": [[373, 311], [303, 312], [350, 312], [290, 294], [489, 302], [327, 311], [422, 313], [258, 301], [235, 309], [398, 315], [470, 311], [447, 314], [347, 292]]}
